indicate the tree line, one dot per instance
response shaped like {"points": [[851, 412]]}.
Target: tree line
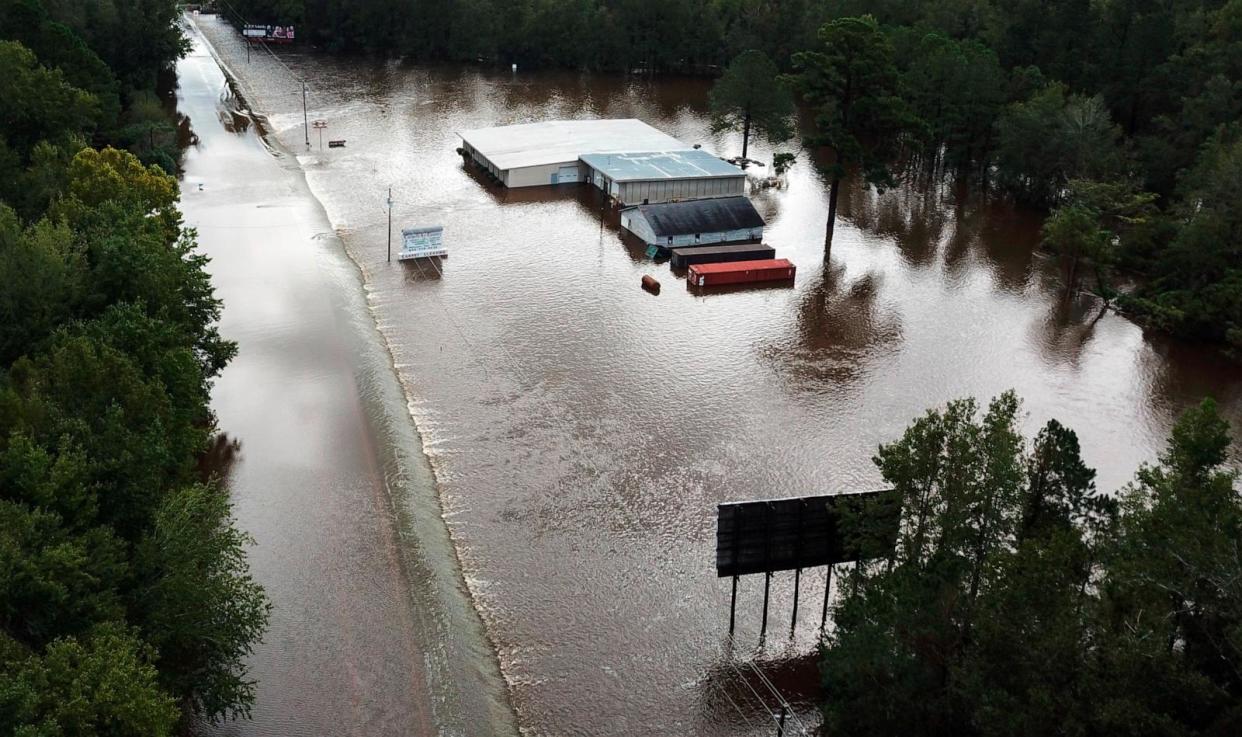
{"points": [[1120, 118], [601, 35], [1019, 600], [126, 606]]}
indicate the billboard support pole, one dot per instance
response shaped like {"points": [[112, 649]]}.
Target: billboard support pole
{"points": [[793, 622], [767, 583], [823, 618], [733, 607]]}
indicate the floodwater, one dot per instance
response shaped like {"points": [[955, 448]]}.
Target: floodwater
{"points": [[582, 431], [371, 632]]}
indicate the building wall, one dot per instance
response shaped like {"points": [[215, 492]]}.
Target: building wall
{"points": [[539, 176], [529, 176], [633, 221], [669, 190], [483, 161]]}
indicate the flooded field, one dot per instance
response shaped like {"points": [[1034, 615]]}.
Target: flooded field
{"points": [[581, 431]]}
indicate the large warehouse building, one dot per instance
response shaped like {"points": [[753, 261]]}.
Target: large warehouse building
{"points": [[535, 154], [630, 160]]}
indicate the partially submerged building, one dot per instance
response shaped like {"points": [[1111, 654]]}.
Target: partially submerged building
{"points": [[535, 154], [629, 160], [663, 176], [695, 222]]}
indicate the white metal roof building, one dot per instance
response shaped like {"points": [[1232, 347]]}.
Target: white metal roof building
{"points": [[534, 154]]}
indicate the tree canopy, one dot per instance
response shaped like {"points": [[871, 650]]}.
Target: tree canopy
{"points": [[852, 84], [1019, 600], [750, 97], [125, 601]]}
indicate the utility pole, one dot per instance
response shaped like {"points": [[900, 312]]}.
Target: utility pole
{"points": [[305, 124], [390, 224]]}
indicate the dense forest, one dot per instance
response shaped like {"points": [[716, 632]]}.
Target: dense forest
{"points": [[125, 602], [1019, 600], [1123, 113]]}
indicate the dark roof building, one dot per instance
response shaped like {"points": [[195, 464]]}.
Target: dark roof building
{"points": [[695, 222]]}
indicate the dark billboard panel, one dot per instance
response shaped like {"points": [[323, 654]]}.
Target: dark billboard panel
{"points": [[804, 532]]}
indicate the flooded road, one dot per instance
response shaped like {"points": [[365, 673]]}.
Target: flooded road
{"points": [[371, 632], [581, 431]]}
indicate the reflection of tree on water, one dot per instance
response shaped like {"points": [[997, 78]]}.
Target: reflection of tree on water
{"points": [[840, 329], [217, 461], [1064, 333], [928, 217], [526, 97], [1178, 375]]}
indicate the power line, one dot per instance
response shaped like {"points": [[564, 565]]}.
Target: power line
{"points": [[262, 42], [300, 80], [725, 692], [779, 696]]}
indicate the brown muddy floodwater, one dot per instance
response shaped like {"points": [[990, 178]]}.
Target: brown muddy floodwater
{"points": [[582, 431], [371, 631]]}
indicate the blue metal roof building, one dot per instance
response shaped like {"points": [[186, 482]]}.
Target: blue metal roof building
{"points": [[663, 176]]}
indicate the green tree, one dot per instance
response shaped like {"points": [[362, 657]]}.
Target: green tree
{"points": [[1073, 232], [1052, 138], [1020, 601], [851, 82], [1197, 290], [39, 103], [750, 96], [1103, 222], [957, 88], [41, 271], [55, 583], [1173, 587], [100, 685], [199, 606], [123, 587], [983, 595]]}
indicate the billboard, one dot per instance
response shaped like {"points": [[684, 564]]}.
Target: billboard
{"points": [[804, 532], [269, 34]]}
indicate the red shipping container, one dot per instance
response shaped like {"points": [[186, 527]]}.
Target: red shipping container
{"points": [[740, 272]]}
